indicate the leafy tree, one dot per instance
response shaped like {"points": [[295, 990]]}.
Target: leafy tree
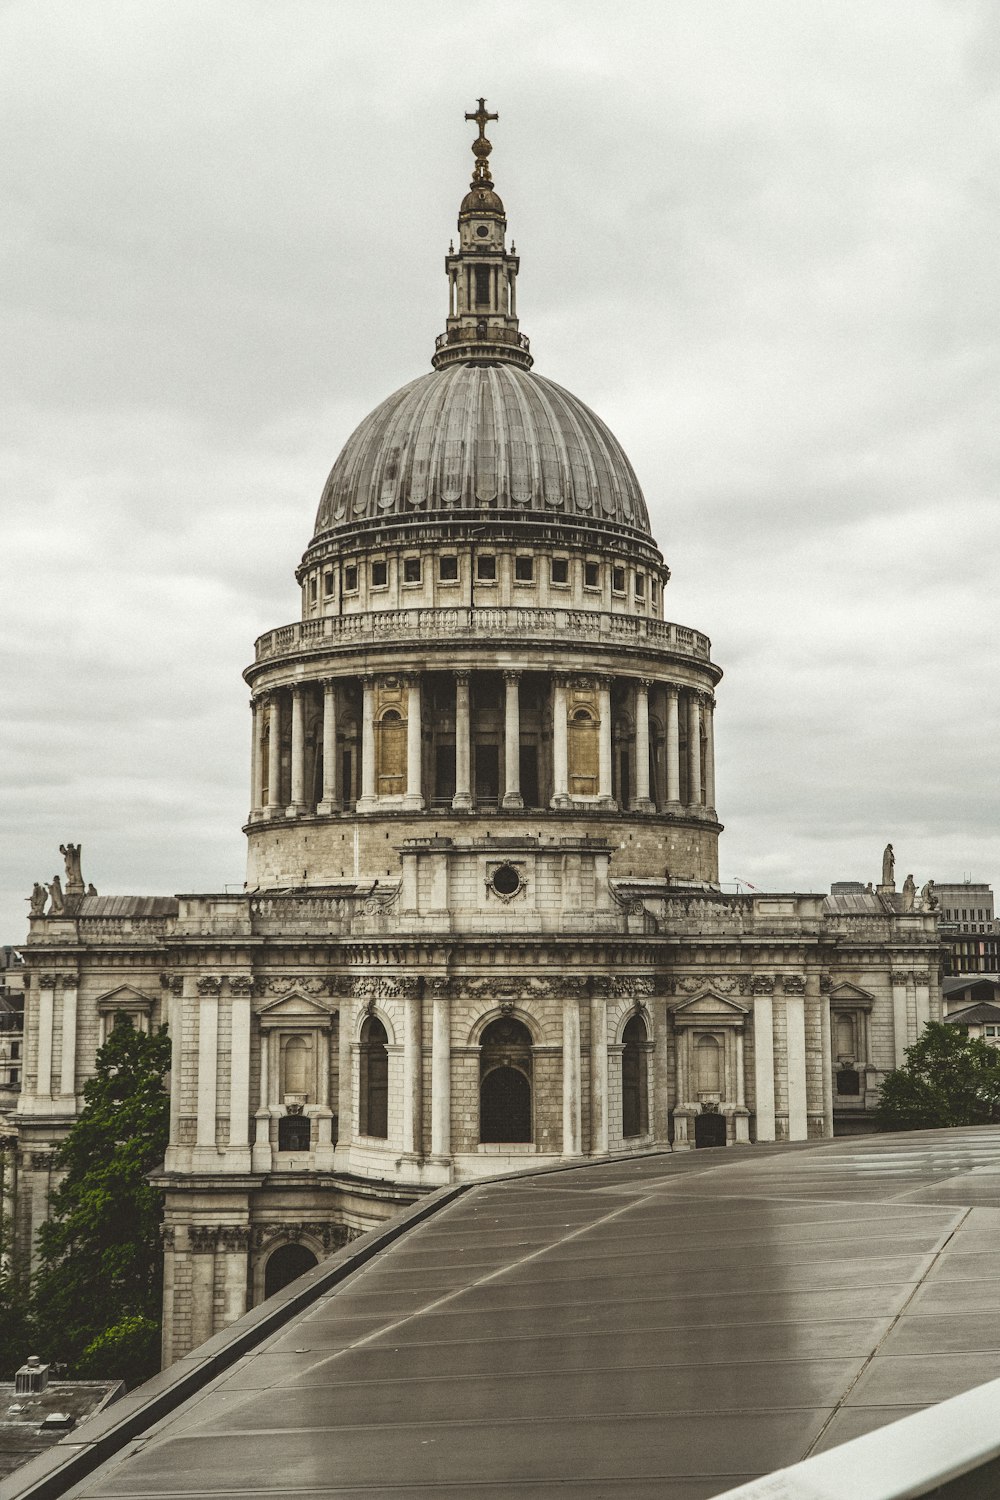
{"points": [[949, 1078], [97, 1292]]}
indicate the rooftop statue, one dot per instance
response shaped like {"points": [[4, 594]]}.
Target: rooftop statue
{"points": [[888, 865]]}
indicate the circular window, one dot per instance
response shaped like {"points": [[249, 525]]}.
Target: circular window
{"points": [[506, 880], [482, 231]]}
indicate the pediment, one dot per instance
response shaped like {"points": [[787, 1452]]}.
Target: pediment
{"points": [[294, 1009], [851, 995], [710, 1006], [125, 998]]}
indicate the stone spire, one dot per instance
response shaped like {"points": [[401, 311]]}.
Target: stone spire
{"points": [[481, 327]]}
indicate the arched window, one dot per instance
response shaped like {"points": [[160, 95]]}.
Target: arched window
{"points": [[390, 753], [635, 1106], [374, 1079], [505, 1082], [294, 1133], [709, 1066], [584, 753], [285, 1265]]}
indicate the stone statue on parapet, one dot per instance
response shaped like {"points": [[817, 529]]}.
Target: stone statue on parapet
{"points": [[74, 879], [909, 893], [928, 900], [888, 866], [58, 905], [91, 889], [39, 896]]}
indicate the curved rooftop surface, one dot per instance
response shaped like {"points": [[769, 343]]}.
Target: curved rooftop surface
{"points": [[474, 437], [665, 1325]]}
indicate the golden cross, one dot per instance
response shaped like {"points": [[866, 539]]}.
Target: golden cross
{"points": [[481, 117]]}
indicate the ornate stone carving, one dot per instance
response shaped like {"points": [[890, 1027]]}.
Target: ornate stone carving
{"points": [[898, 976], [202, 1237], [330, 1236], [40, 1161], [761, 984], [235, 1237], [39, 896], [241, 984], [376, 904], [209, 984], [386, 987], [309, 984], [168, 1235], [825, 984], [57, 903], [47, 981], [794, 984]]}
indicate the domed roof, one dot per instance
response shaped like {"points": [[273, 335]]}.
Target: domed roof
{"points": [[472, 437]]}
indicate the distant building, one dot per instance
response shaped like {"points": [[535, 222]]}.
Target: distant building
{"points": [[36, 1412], [11, 1026], [969, 928], [974, 1005]]}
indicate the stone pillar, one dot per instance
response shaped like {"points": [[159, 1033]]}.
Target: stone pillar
{"points": [[763, 1061], [441, 1078], [462, 800], [826, 1042], [673, 749], [641, 802], [208, 1064], [345, 1083], [414, 798], [899, 1023], [923, 1001], [512, 740], [709, 712], [235, 1246], [795, 1026], [45, 1009], [323, 1148], [67, 1063], [571, 1078], [560, 762], [262, 1117], [273, 755], [604, 740], [598, 1075], [258, 709], [202, 1241], [176, 1032], [331, 802], [367, 801], [412, 1076], [239, 1074], [694, 750], [298, 802]]}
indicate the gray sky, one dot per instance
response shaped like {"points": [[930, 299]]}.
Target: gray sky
{"points": [[759, 238]]}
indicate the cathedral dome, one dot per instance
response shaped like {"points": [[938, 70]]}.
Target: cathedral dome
{"points": [[482, 436]]}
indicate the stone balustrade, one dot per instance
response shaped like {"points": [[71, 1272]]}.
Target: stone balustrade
{"points": [[502, 623]]}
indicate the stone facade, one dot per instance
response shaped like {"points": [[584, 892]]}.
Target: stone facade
{"points": [[482, 926]]}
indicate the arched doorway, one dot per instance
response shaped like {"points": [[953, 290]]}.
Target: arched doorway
{"points": [[710, 1130], [635, 1108], [505, 1082], [374, 1079], [284, 1265]]}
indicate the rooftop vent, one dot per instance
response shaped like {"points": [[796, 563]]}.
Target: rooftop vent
{"points": [[32, 1378]]}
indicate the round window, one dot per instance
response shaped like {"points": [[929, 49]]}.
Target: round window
{"points": [[506, 880], [482, 231]]}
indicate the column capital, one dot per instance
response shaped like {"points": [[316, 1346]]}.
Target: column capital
{"points": [[644, 682], [671, 689], [462, 674], [512, 674]]}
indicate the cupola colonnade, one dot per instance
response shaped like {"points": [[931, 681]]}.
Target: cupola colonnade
{"points": [[471, 740]]}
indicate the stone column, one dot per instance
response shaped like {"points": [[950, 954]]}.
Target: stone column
{"points": [[67, 1063], [604, 740], [795, 1026], [45, 1009], [323, 1149], [176, 1028], [273, 754], [298, 802], [414, 798], [763, 1062], [923, 1000], [208, 1064], [560, 763], [258, 708], [462, 800], [826, 1042], [673, 749], [899, 1021], [694, 750], [441, 1078], [512, 740], [641, 802], [262, 1117], [239, 1073], [367, 800], [412, 1076], [345, 1082], [331, 802], [571, 1078], [598, 1075], [709, 712]]}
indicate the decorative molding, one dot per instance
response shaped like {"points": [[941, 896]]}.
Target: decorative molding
{"points": [[241, 984], [825, 984], [309, 984], [210, 984], [168, 1235], [793, 984], [330, 1236], [174, 983], [202, 1237], [47, 981], [898, 976], [375, 987], [235, 1237]]}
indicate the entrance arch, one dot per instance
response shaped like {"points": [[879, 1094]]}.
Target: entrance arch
{"points": [[635, 1106], [374, 1080], [505, 1082], [285, 1265], [710, 1130]]}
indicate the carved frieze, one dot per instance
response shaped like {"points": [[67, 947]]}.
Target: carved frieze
{"points": [[241, 984], [374, 987], [330, 1236], [173, 983], [202, 1237], [210, 984], [758, 984], [306, 984], [825, 984], [235, 1238], [793, 984]]}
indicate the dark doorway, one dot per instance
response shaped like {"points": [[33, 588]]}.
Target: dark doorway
{"points": [[294, 1133], [848, 1081], [505, 1082], [488, 774], [444, 773], [285, 1265], [710, 1130], [635, 1119], [529, 775], [374, 1079]]}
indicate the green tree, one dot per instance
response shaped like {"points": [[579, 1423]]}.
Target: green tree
{"points": [[949, 1078], [97, 1293]]}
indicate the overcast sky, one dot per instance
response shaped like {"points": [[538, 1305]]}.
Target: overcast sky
{"points": [[760, 239]]}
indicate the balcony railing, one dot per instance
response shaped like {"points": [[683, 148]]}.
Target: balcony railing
{"points": [[501, 623]]}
